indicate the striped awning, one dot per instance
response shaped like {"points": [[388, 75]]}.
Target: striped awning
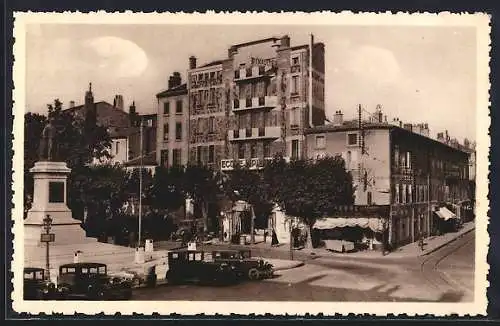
{"points": [[374, 223], [445, 214]]}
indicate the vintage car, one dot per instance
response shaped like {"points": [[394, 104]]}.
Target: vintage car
{"points": [[246, 266], [90, 281], [36, 286], [197, 266]]}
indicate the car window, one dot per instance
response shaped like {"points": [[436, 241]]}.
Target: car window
{"points": [[208, 257], [175, 255], [68, 270], [198, 256], [85, 270], [102, 270], [39, 275], [93, 270], [28, 276]]}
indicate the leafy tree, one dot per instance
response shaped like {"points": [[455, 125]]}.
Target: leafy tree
{"points": [[311, 189], [166, 191], [202, 185]]}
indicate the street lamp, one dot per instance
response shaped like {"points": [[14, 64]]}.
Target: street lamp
{"points": [[47, 238]]}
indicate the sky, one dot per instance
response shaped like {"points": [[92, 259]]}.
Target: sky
{"points": [[416, 73]]}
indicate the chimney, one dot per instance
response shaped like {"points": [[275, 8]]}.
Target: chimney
{"points": [[385, 118], [400, 123], [440, 136], [174, 80], [132, 113], [71, 104], [338, 118], [192, 62], [285, 42], [118, 102], [408, 126]]}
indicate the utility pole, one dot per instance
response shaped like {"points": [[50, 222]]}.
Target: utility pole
{"points": [[252, 226], [140, 186], [291, 239]]}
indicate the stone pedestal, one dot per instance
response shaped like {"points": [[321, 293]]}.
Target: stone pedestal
{"points": [[50, 198]]}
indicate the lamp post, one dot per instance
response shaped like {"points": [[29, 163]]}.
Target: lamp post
{"points": [[47, 238]]}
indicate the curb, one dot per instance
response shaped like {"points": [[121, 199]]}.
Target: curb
{"points": [[447, 242], [298, 264]]}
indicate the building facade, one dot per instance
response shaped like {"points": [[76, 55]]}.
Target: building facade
{"points": [[173, 124], [401, 171], [255, 103]]}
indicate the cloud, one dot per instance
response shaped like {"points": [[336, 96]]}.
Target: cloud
{"points": [[121, 57], [374, 63]]}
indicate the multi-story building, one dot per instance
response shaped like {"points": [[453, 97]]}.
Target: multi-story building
{"points": [[255, 103], [114, 118], [173, 123], [400, 172]]}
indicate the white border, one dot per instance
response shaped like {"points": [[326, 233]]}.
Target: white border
{"points": [[479, 21]]}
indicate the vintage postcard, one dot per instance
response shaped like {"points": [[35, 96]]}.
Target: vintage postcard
{"points": [[283, 163]]}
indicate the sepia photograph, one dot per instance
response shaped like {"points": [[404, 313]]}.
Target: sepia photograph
{"points": [[251, 163]]}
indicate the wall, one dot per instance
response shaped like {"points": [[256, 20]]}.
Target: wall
{"points": [[172, 119], [376, 163]]}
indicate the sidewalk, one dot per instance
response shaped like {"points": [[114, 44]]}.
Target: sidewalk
{"points": [[431, 244]]}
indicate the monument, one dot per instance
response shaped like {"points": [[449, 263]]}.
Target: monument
{"points": [[67, 239], [50, 196]]}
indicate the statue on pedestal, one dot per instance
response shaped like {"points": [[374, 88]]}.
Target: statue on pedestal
{"points": [[48, 145]]}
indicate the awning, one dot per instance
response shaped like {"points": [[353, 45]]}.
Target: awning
{"points": [[445, 214], [374, 223]]}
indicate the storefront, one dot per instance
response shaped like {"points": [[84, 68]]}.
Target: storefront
{"points": [[344, 234]]}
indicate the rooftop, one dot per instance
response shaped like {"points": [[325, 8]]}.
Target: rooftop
{"points": [[177, 90]]}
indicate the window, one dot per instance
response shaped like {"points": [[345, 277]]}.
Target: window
{"points": [[166, 108], [295, 149], [295, 61], [117, 149], [396, 194], [241, 121], [211, 154], [253, 150], [403, 194], [267, 149], [176, 156], [348, 159], [320, 142], [165, 131], [295, 85], [211, 125], [352, 139], [409, 195], [164, 158], [198, 154], [253, 119], [178, 106], [241, 151], [178, 131], [294, 117], [369, 198]]}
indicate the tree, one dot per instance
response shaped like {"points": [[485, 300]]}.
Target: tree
{"points": [[76, 145], [166, 192], [201, 184], [250, 186], [311, 189]]}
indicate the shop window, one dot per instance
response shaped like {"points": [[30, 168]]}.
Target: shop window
{"points": [[164, 158], [352, 139]]}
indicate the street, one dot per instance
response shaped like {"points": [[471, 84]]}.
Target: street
{"points": [[447, 275]]}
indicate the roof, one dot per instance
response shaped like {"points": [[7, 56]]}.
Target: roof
{"points": [[83, 264], [212, 63], [148, 159], [353, 126], [177, 90], [33, 269]]}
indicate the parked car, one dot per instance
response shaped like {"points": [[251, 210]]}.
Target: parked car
{"points": [[36, 286], [185, 266], [91, 281], [246, 266]]}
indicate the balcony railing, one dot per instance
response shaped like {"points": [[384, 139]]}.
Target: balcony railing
{"points": [[252, 72], [255, 103], [254, 133]]}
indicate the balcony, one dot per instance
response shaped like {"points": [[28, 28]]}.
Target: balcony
{"points": [[252, 103], [254, 133], [253, 72], [252, 164]]}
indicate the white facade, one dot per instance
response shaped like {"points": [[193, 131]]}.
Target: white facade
{"points": [[118, 152]]}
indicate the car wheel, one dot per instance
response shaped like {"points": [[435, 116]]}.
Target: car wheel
{"points": [[253, 274]]}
